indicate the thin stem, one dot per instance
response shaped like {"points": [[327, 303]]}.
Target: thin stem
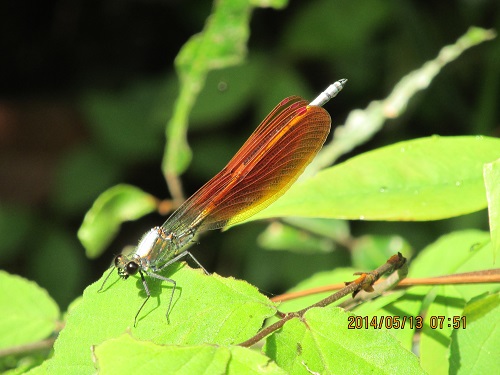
{"points": [[364, 282], [477, 277]]}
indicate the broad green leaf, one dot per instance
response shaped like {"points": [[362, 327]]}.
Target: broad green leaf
{"points": [[397, 303], [116, 205], [222, 43], [421, 179], [321, 343], [28, 313], [124, 355], [435, 342], [248, 361], [492, 184], [462, 251], [205, 309], [457, 252], [475, 348]]}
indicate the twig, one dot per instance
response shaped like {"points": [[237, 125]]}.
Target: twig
{"points": [[477, 277], [364, 282], [175, 187]]}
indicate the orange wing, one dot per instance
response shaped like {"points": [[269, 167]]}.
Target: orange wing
{"points": [[262, 170]]}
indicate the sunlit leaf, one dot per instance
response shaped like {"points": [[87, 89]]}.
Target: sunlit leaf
{"points": [[421, 179], [28, 312], [126, 355], [474, 347], [116, 205], [205, 309], [322, 343]]}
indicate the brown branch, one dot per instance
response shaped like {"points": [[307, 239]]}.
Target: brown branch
{"points": [[364, 282], [477, 277], [166, 206], [175, 187], [378, 289]]}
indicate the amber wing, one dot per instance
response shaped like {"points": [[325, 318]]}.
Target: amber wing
{"points": [[264, 168]]}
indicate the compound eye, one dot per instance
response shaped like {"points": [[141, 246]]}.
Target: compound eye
{"points": [[118, 260], [132, 268]]}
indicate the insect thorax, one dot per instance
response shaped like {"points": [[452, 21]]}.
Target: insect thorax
{"points": [[157, 246]]}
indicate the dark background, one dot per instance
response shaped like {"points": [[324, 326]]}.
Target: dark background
{"points": [[86, 88]]}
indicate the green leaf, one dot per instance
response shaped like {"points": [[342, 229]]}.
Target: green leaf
{"points": [[205, 309], [321, 343], [434, 342], [222, 43], [248, 361], [492, 184], [125, 355], [397, 303], [28, 313], [462, 251], [421, 179], [457, 252], [475, 348], [116, 205]]}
